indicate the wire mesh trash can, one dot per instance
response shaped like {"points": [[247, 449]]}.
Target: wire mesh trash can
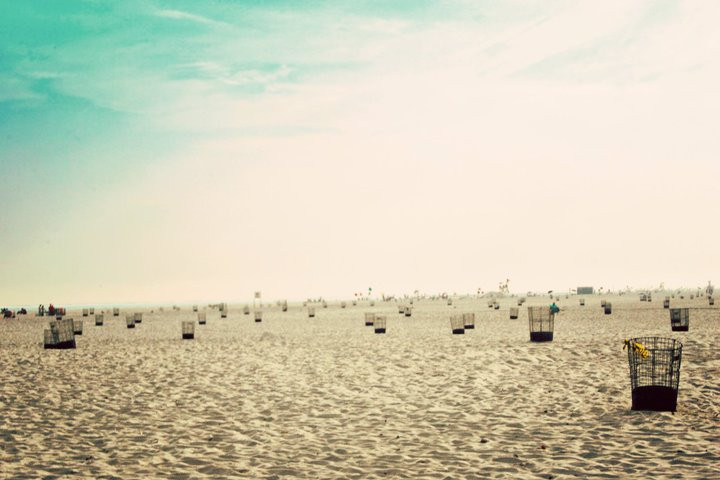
{"points": [[582, 302], [85, 312], [654, 372], [542, 324], [449, 301], [380, 324], [680, 319], [401, 309], [130, 321], [202, 318], [711, 301], [223, 313], [666, 302], [369, 319], [284, 307], [408, 311], [311, 312], [343, 304], [258, 316], [602, 303], [607, 308], [491, 304], [324, 304], [457, 324], [99, 319], [137, 317], [514, 312], [497, 306], [92, 311], [77, 326], [188, 330], [116, 312], [468, 321], [61, 335]]}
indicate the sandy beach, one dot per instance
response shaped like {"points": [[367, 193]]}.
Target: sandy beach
{"points": [[293, 397]]}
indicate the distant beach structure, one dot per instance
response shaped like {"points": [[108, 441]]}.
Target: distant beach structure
{"points": [[369, 319], [654, 372], [60, 335], [542, 324], [380, 324], [457, 324], [202, 318], [680, 319], [468, 320], [585, 290], [514, 312], [99, 319], [188, 330]]}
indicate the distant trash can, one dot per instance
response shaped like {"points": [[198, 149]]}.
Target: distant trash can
{"points": [[666, 302], [711, 301], [654, 372], [401, 309], [380, 324], [130, 321], [137, 317], [497, 306], [195, 308], [188, 330], [542, 324], [343, 304], [202, 318], [99, 319], [77, 327], [284, 307], [85, 312], [514, 312], [582, 302], [457, 324], [449, 301], [469, 321], [602, 303], [680, 319], [607, 308], [408, 311], [369, 319], [311, 312], [223, 313], [116, 312], [92, 311], [258, 316]]}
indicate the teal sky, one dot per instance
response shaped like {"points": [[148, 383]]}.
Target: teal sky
{"points": [[187, 151]]}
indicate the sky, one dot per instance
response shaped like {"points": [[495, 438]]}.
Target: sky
{"points": [[182, 151]]}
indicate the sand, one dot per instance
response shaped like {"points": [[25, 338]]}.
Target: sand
{"points": [[293, 397]]}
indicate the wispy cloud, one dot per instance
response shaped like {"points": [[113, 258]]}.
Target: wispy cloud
{"points": [[180, 15]]}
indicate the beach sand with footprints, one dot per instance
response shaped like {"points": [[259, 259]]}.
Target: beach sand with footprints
{"points": [[294, 397]]}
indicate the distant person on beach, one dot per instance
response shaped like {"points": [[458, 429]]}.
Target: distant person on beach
{"points": [[554, 308]]}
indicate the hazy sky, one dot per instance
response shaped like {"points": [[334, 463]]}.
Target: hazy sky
{"points": [[184, 150]]}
